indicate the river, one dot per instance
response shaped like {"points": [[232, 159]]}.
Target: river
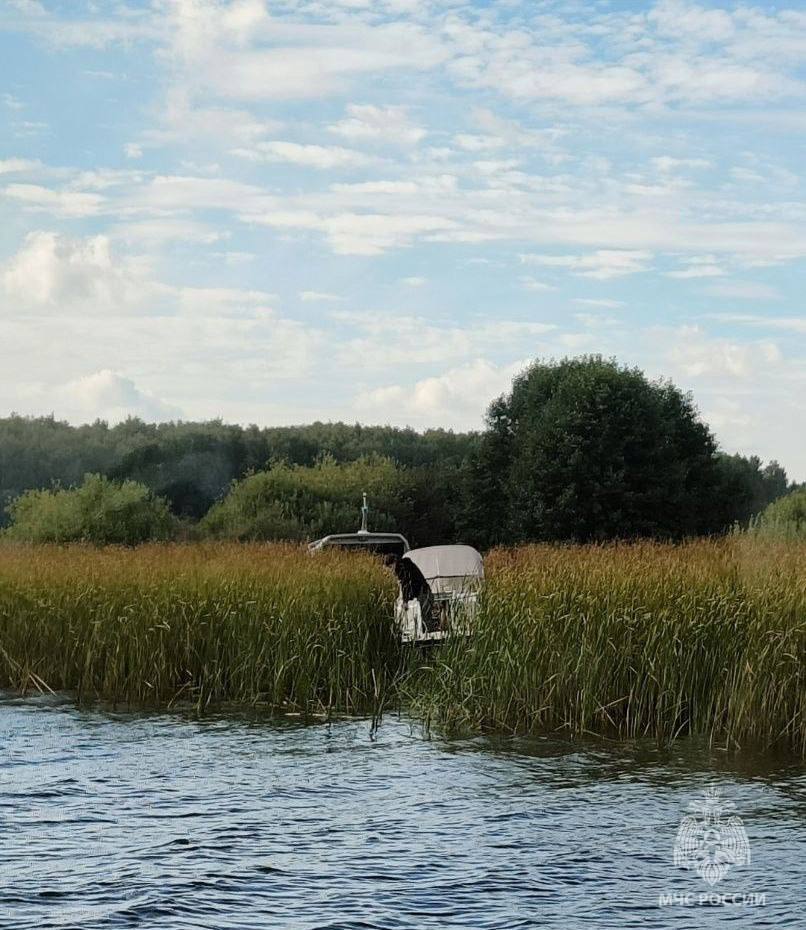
{"points": [[164, 821]]}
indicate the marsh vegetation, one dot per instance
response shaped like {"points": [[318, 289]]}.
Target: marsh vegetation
{"points": [[644, 640]]}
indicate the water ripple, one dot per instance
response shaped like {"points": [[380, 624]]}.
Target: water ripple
{"points": [[112, 820]]}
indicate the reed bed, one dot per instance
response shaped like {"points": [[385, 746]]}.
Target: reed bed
{"points": [[249, 624], [706, 638]]}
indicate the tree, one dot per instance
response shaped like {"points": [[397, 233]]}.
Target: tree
{"points": [[742, 489], [584, 449], [299, 502], [100, 511], [192, 465], [785, 517]]}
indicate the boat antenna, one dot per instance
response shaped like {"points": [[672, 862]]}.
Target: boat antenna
{"points": [[364, 513]]}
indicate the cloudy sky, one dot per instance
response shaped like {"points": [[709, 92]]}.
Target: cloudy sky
{"points": [[380, 210]]}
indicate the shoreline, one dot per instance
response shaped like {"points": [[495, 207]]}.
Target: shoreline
{"points": [[623, 641]]}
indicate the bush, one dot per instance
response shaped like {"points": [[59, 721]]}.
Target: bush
{"points": [[295, 502], [786, 517], [100, 511]]}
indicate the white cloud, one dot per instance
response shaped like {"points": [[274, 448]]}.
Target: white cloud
{"points": [[472, 142], [746, 176], [698, 266], [697, 271], [59, 274], [167, 193], [671, 53], [601, 264], [18, 165], [629, 57], [677, 17], [110, 396], [381, 339], [29, 129], [244, 366], [240, 52], [744, 290], [357, 233], [376, 187], [750, 391], [235, 259], [595, 320], [459, 396], [61, 203], [667, 163], [225, 302], [424, 185], [605, 302], [103, 179], [133, 150], [414, 281], [87, 31], [308, 156], [183, 118], [159, 231], [308, 296], [696, 354], [532, 284], [369, 123], [790, 324]]}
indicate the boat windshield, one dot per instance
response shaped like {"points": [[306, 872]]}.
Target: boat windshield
{"points": [[380, 543]]}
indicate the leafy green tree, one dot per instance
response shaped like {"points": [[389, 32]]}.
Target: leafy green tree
{"points": [[193, 464], [459, 486], [100, 511], [302, 502], [584, 449], [742, 489], [35, 453], [785, 517]]}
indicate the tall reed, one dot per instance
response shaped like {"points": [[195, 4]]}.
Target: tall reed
{"points": [[160, 623], [707, 638]]}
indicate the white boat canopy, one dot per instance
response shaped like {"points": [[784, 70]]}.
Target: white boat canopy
{"points": [[448, 569]]}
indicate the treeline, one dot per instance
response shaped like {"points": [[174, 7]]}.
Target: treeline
{"points": [[582, 449], [192, 465]]}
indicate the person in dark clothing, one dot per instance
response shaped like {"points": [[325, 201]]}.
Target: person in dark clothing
{"points": [[414, 586]]}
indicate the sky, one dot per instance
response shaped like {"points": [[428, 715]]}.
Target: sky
{"points": [[382, 210]]}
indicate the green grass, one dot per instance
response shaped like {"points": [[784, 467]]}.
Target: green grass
{"points": [[252, 624], [707, 638]]}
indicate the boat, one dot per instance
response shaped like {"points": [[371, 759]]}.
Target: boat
{"points": [[393, 545], [439, 586], [439, 592]]}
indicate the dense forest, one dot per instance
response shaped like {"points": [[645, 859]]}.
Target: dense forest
{"points": [[581, 449], [193, 464]]}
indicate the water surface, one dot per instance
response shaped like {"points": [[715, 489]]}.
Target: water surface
{"points": [[112, 820]]}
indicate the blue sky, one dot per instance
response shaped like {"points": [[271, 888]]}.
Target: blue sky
{"points": [[381, 211]]}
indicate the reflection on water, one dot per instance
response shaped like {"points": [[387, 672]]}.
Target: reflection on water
{"points": [[161, 821]]}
